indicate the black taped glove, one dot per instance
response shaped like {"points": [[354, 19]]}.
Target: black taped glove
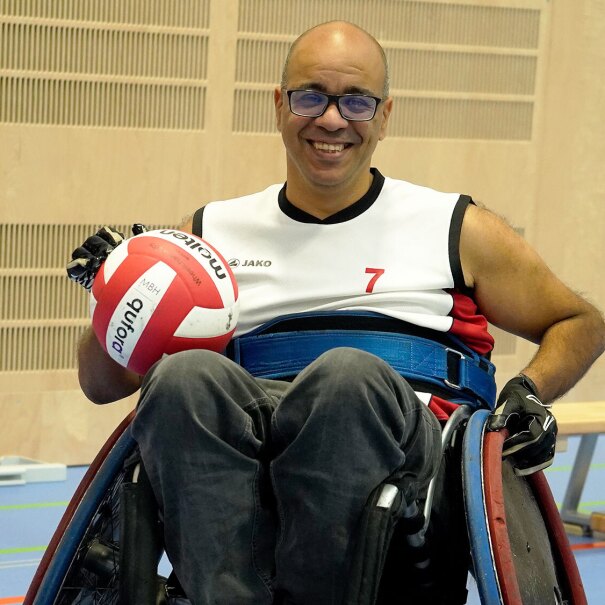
{"points": [[532, 427], [88, 258]]}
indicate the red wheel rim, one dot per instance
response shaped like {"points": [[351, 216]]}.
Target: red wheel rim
{"points": [[561, 548], [496, 517]]}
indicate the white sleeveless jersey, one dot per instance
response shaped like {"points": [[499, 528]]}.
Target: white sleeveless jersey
{"points": [[394, 252]]}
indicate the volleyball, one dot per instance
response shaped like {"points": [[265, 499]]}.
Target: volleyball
{"points": [[161, 292]]}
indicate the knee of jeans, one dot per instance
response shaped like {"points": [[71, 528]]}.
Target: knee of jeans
{"points": [[353, 365], [176, 372], [340, 375], [355, 380], [184, 364]]}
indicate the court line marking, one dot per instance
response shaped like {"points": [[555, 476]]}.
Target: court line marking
{"points": [[588, 546], [33, 505], [6, 567], [20, 561], [587, 506], [568, 467], [13, 551]]}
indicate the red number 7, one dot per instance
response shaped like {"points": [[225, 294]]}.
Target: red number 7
{"points": [[377, 274]]}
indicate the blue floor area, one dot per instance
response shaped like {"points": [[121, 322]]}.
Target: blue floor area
{"points": [[30, 513]]}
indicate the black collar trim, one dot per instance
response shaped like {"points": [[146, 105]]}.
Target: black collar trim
{"points": [[346, 214]]}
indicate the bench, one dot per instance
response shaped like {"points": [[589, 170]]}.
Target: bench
{"points": [[586, 419]]}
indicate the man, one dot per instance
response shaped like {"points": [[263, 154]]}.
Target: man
{"points": [[262, 482]]}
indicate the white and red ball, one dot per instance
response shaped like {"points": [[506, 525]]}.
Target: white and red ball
{"points": [[162, 292]]}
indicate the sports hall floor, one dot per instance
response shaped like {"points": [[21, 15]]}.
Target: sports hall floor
{"points": [[29, 514]]}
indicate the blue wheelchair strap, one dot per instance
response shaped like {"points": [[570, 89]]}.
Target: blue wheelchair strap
{"points": [[466, 376]]}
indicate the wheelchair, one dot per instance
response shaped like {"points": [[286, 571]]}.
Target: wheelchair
{"points": [[108, 545]]}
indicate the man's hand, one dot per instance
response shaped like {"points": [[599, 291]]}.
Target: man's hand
{"points": [[87, 259], [532, 427]]}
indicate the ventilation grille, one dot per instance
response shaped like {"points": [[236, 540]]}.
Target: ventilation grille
{"points": [[110, 104], [462, 71], [104, 72], [184, 13], [461, 119], [32, 47], [260, 61], [31, 297], [42, 313], [253, 111], [477, 81], [428, 22], [41, 247], [39, 347]]}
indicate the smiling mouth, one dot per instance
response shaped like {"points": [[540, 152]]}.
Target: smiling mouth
{"points": [[329, 147]]}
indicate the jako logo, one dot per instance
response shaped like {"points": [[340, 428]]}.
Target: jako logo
{"points": [[250, 262], [120, 335], [195, 245]]}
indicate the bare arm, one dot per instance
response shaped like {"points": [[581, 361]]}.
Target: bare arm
{"points": [[101, 378], [517, 292], [187, 224]]}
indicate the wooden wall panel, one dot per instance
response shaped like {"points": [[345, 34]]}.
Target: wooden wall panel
{"points": [[121, 112], [569, 224], [57, 425]]}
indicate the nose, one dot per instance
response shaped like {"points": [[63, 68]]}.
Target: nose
{"points": [[331, 119]]}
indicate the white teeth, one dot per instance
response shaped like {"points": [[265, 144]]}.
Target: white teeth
{"points": [[328, 147]]}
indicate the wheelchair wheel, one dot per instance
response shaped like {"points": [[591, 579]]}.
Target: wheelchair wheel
{"points": [[80, 565], [520, 552]]}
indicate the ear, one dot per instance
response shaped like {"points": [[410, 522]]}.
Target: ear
{"points": [[387, 106], [278, 100]]}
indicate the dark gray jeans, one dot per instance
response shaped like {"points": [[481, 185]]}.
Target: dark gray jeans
{"points": [[262, 482]]}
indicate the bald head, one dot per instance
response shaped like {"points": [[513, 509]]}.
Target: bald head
{"points": [[335, 32]]}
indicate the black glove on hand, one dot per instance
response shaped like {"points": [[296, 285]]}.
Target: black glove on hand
{"points": [[88, 258], [531, 425]]}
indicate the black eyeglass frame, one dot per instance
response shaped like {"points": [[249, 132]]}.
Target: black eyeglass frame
{"points": [[336, 100]]}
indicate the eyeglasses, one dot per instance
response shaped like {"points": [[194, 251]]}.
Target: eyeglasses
{"points": [[352, 107]]}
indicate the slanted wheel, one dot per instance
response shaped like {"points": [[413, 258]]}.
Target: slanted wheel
{"points": [[521, 555], [80, 564]]}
